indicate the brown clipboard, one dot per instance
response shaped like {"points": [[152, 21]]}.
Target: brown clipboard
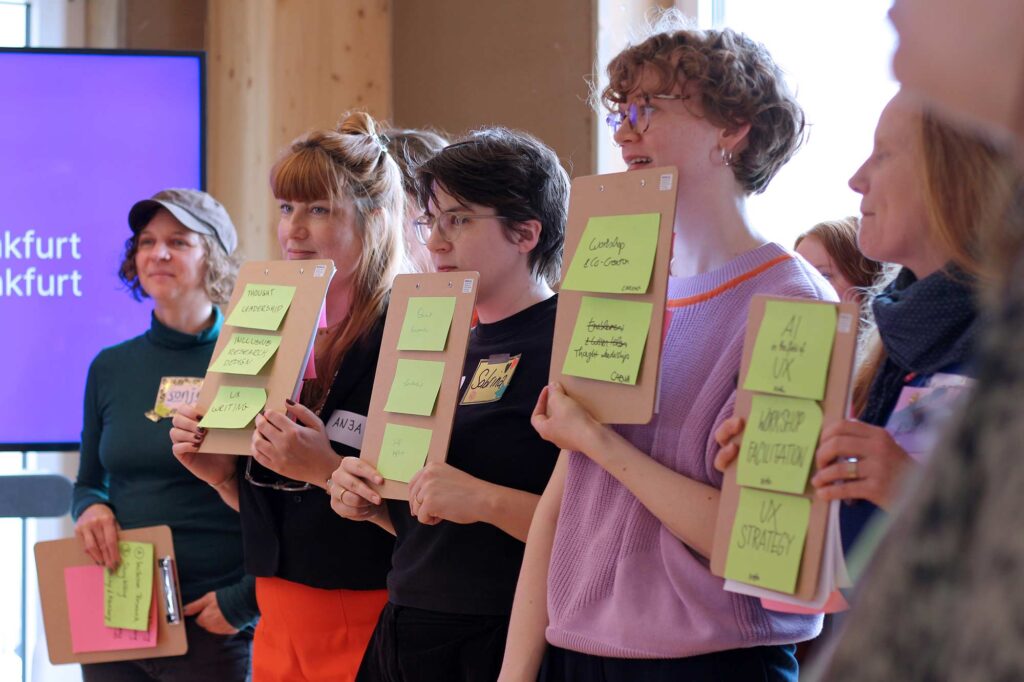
{"points": [[463, 286], [281, 377], [53, 556], [833, 407], [645, 191]]}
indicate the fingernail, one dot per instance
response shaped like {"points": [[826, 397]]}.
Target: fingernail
{"points": [[201, 430], [289, 401]]}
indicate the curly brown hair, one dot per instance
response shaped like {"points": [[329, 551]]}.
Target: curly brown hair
{"points": [[221, 270], [738, 83]]}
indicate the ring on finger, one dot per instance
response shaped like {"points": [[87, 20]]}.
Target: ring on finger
{"points": [[851, 469]]}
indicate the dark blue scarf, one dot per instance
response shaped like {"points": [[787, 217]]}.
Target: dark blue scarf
{"points": [[926, 326]]}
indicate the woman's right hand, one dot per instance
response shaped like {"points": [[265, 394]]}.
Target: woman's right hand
{"points": [[97, 530], [186, 437], [351, 496], [729, 429]]}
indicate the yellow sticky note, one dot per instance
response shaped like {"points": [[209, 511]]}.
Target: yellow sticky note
{"points": [[128, 591], [246, 353], [615, 255], [767, 540], [234, 407], [608, 340], [262, 306], [403, 451], [415, 386], [779, 443], [426, 323], [793, 349]]}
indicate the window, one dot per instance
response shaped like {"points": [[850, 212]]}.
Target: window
{"points": [[14, 18]]}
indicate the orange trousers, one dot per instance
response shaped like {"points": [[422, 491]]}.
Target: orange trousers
{"points": [[307, 634]]}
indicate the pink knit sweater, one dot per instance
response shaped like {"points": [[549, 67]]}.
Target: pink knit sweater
{"points": [[620, 584]]}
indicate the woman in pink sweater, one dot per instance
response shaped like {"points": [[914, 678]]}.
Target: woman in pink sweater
{"points": [[615, 582]]}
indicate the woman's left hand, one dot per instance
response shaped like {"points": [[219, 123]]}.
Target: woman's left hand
{"points": [[299, 450], [440, 492], [877, 474], [209, 616], [561, 420]]}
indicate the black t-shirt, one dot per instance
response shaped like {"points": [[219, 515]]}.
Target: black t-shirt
{"points": [[296, 535], [473, 568]]}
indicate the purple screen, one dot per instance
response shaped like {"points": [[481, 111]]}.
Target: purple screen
{"points": [[82, 137]]}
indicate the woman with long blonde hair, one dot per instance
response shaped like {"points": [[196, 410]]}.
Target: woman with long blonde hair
{"points": [[319, 578]]}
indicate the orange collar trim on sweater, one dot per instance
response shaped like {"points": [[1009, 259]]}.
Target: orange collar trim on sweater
{"points": [[736, 281]]}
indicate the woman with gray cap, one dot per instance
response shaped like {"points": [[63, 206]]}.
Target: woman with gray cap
{"points": [[180, 256]]}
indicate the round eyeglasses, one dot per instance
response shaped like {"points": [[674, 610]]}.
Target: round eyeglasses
{"points": [[637, 114], [449, 224]]}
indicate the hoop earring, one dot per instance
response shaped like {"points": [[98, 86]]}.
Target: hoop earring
{"points": [[726, 156]]}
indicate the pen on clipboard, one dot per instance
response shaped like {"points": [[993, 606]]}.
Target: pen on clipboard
{"points": [[167, 575]]}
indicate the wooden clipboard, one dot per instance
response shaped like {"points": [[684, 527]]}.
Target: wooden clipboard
{"points": [[463, 286], [833, 407], [645, 191], [281, 377], [53, 556]]}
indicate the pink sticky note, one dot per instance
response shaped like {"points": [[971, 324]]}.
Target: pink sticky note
{"points": [[84, 585], [310, 372], [323, 317]]}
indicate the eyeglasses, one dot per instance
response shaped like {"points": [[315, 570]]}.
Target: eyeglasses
{"points": [[638, 115], [450, 225], [286, 484]]}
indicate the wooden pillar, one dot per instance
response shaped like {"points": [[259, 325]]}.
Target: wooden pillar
{"points": [[277, 68]]}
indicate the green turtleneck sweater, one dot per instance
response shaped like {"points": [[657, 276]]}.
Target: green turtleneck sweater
{"points": [[127, 464]]}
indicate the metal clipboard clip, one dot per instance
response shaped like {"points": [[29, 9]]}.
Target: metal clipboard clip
{"points": [[169, 578]]}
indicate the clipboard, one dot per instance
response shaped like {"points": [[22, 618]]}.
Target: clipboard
{"points": [[53, 556], [645, 191], [462, 286], [281, 377], [833, 409]]}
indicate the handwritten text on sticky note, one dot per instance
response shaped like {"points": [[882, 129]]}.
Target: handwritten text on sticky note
{"points": [[767, 539], [414, 389], [779, 443], [403, 451], [426, 323], [246, 353], [615, 255], [128, 591], [608, 340], [262, 306], [234, 407], [793, 348]]}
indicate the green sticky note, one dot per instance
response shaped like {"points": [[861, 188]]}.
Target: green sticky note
{"points": [[767, 540], [608, 340], [426, 323], [615, 255], [793, 349], [403, 451], [262, 306], [778, 443], [234, 407], [246, 353], [414, 389], [128, 591]]}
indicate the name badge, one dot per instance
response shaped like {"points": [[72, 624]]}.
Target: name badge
{"points": [[490, 380], [347, 428], [172, 394]]}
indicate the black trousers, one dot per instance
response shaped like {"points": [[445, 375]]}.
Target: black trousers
{"points": [[413, 645], [757, 664], [210, 658]]}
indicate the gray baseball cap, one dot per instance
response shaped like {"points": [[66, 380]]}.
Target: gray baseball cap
{"points": [[196, 210]]}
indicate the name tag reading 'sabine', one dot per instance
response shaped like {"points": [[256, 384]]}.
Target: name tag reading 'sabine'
{"points": [[608, 340], [262, 306], [792, 351], [615, 255], [779, 443], [767, 540]]}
